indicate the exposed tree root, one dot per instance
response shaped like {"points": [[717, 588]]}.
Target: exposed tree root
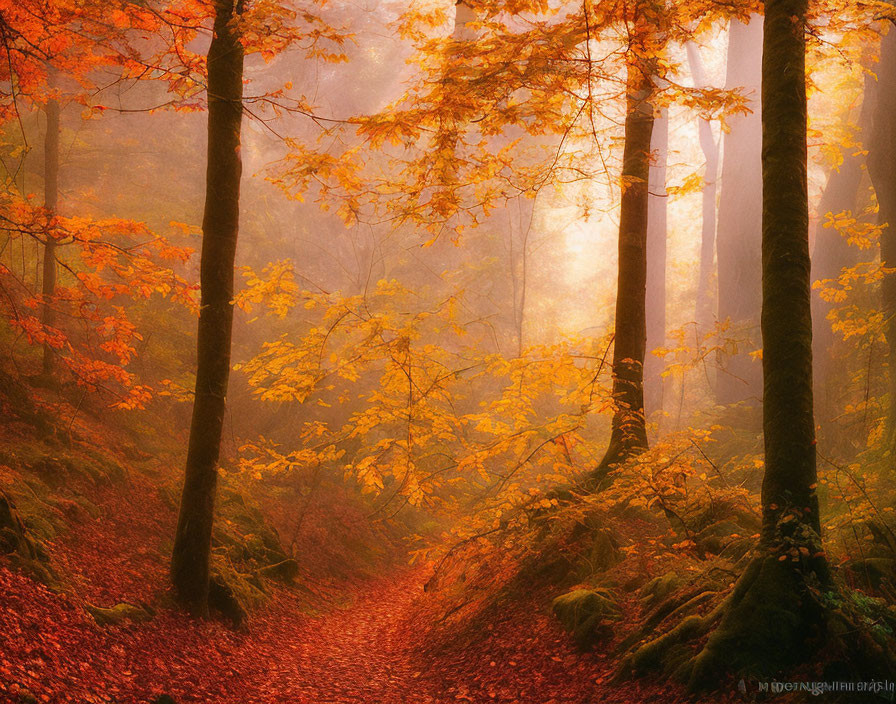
{"points": [[776, 618], [676, 604], [669, 650], [771, 621]]}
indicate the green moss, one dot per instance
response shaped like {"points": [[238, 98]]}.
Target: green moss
{"points": [[659, 589], [582, 612], [118, 614], [771, 619], [658, 651]]}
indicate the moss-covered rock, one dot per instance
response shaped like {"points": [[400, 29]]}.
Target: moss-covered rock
{"points": [[584, 613], [120, 613], [726, 538]]}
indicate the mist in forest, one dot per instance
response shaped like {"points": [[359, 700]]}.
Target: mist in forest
{"points": [[497, 350]]}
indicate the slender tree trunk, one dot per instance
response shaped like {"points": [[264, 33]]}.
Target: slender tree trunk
{"points": [[657, 221], [629, 434], [190, 562], [773, 619], [703, 309], [882, 167], [830, 254], [739, 231], [51, 203], [519, 264]]}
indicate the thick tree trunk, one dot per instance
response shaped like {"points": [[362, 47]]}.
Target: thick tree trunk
{"points": [[51, 203], [657, 222], [703, 309], [773, 619], [882, 168], [739, 231], [220, 226], [629, 434], [788, 417]]}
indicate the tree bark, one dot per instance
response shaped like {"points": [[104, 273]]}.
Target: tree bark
{"points": [[739, 232], [629, 433], [773, 618], [190, 562], [882, 168], [788, 419], [657, 226], [51, 203]]}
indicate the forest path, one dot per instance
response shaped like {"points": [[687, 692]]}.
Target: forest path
{"points": [[374, 650], [362, 652]]}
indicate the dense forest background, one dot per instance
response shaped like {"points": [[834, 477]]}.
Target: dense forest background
{"points": [[545, 350]]}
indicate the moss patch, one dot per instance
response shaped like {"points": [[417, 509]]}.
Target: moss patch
{"points": [[584, 613], [118, 614]]}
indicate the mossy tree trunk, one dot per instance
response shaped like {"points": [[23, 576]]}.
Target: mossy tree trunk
{"points": [[190, 564], [773, 618], [882, 168], [788, 416], [51, 203], [629, 432]]}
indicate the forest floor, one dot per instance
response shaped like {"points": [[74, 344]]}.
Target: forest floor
{"points": [[366, 642], [366, 652], [338, 636]]}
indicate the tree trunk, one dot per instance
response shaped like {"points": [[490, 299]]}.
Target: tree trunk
{"points": [[220, 226], [703, 309], [773, 618], [629, 434], [518, 263], [882, 168], [656, 265], [788, 418], [51, 203], [739, 232], [830, 254]]}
